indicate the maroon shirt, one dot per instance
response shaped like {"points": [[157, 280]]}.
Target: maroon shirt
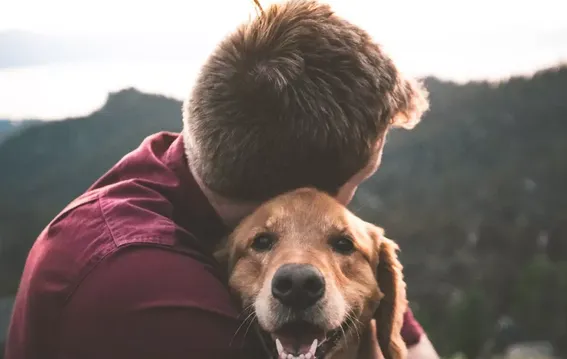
{"points": [[126, 271]]}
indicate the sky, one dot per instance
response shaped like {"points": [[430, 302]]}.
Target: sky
{"points": [[457, 40], [378, 16]]}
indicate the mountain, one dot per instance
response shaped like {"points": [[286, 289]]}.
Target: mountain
{"points": [[5, 126], [475, 195], [8, 127]]}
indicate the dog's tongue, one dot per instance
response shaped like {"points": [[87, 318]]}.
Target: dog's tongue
{"points": [[298, 339]]}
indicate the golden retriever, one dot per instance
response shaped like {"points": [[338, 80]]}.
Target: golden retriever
{"points": [[313, 276]]}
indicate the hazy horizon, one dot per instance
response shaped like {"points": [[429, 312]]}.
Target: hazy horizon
{"points": [[471, 40]]}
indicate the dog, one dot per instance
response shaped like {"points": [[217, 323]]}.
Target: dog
{"points": [[316, 278]]}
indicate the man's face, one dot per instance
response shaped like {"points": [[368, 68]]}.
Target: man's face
{"points": [[347, 191]]}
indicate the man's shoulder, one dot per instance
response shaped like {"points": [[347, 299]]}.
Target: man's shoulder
{"points": [[147, 199], [102, 222], [134, 213], [153, 277], [96, 282], [147, 302]]}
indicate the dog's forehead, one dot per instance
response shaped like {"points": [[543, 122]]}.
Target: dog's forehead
{"points": [[304, 210]]}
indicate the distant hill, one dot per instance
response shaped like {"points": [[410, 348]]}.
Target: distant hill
{"points": [[49, 164], [5, 126], [475, 195], [8, 127]]}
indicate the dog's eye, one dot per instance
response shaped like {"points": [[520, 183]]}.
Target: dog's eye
{"points": [[342, 245], [263, 242]]}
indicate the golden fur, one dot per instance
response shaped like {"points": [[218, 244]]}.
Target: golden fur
{"points": [[364, 284]]}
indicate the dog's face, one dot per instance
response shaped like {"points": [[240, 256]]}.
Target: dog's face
{"points": [[314, 275]]}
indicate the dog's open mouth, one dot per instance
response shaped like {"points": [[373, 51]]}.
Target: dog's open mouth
{"points": [[303, 340]]}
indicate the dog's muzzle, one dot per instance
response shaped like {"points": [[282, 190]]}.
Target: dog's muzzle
{"points": [[298, 288]]}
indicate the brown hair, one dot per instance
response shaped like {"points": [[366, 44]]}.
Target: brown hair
{"points": [[295, 97]]}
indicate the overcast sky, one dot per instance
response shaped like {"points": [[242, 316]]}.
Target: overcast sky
{"points": [[451, 39], [465, 38], [392, 16], [462, 39]]}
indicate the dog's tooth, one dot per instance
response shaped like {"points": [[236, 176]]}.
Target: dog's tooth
{"points": [[302, 356], [308, 356], [279, 346], [313, 348], [289, 356]]}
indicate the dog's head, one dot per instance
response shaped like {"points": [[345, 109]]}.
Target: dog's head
{"points": [[314, 275]]}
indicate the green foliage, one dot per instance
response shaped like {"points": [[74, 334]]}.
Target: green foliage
{"points": [[472, 194], [470, 320], [540, 299], [457, 355]]}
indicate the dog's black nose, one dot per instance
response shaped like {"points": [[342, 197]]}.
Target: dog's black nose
{"points": [[298, 286]]}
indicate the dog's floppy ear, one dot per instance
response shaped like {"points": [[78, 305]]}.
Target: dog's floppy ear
{"points": [[390, 313], [222, 252], [230, 248]]}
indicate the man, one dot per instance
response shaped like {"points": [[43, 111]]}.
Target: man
{"points": [[296, 97]]}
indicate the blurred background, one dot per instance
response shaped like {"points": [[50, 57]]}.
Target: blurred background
{"points": [[475, 195]]}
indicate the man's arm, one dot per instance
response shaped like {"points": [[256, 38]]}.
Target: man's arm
{"points": [[419, 345], [423, 349], [148, 303]]}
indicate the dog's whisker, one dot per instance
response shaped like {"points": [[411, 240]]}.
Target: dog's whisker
{"points": [[358, 208], [288, 316], [352, 324], [246, 310], [354, 319], [250, 324], [344, 336], [250, 317], [355, 324], [240, 326]]}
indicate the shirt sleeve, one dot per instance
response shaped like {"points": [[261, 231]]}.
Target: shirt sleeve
{"points": [[411, 329], [148, 303]]}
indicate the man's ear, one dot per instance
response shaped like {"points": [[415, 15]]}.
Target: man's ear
{"points": [[390, 313]]}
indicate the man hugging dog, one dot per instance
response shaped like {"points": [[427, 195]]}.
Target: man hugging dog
{"points": [[296, 97]]}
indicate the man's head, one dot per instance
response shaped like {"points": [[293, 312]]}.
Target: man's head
{"points": [[296, 97]]}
